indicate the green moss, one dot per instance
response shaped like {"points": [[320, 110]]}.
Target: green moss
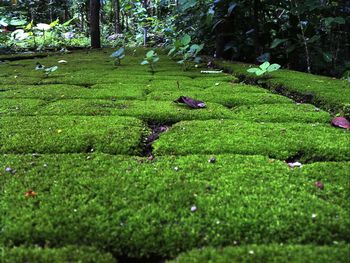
{"points": [[9, 107], [134, 207], [54, 255], [64, 134], [151, 111], [131, 206], [334, 177], [325, 92], [228, 99], [61, 91], [277, 140], [282, 113], [263, 254]]}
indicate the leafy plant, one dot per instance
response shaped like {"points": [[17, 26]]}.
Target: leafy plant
{"points": [[118, 56], [180, 45], [47, 71], [151, 59], [191, 55], [264, 68], [187, 52]]}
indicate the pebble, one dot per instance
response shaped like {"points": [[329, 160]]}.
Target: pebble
{"points": [[319, 185], [212, 160], [296, 164]]}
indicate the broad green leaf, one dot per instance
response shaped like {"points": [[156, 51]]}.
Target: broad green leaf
{"points": [[150, 54], [273, 67], [171, 51], [185, 40], [264, 65], [231, 8], [155, 60], [278, 41], [54, 23], [260, 72], [313, 39], [17, 22], [327, 57], [67, 23], [339, 20], [118, 53], [29, 26], [252, 70]]}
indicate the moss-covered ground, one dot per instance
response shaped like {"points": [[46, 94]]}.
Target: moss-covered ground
{"points": [[76, 184]]}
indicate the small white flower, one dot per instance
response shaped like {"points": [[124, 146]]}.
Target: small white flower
{"points": [[313, 216], [251, 252], [193, 208], [68, 35], [43, 27]]}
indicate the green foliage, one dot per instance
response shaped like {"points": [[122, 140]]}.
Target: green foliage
{"points": [[267, 253], [118, 56], [187, 52], [264, 68], [54, 255], [151, 59]]}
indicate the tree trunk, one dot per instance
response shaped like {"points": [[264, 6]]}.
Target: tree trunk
{"points": [[118, 28], [95, 23], [256, 8], [145, 28]]}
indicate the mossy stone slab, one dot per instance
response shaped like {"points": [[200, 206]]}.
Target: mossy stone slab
{"points": [[64, 134], [307, 142]]}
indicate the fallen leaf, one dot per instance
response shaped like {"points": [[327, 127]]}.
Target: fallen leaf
{"points": [[319, 185], [30, 193], [211, 71], [195, 104], [341, 122]]}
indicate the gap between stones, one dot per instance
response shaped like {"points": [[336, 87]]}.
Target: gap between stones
{"points": [[152, 259], [157, 129]]}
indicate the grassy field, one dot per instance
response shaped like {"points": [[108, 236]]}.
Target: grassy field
{"points": [[81, 182]]}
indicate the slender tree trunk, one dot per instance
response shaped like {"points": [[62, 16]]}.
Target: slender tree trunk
{"points": [[256, 8], [145, 29], [95, 23], [118, 28], [82, 28], [307, 53]]}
